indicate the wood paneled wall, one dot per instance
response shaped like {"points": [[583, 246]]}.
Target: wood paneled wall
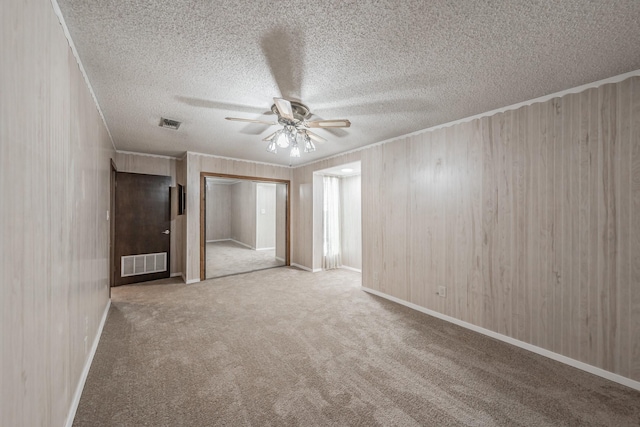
{"points": [[147, 164], [265, 209], [243, 220], [196, 163], [530, 218], [351, 221], [219, 211], [54, 247], [166, 166]]}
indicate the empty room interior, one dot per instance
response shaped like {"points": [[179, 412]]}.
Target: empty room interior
{"points": [[331, 213]]}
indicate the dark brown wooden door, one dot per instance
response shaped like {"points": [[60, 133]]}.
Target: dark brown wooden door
{"points": [[142, 222]]}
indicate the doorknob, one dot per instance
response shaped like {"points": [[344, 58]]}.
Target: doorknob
{"points": [[166, 232]]}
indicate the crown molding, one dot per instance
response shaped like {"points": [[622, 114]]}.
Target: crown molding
{"points": [[149, 155], [577, 89], [237, 160], [65, 29]]}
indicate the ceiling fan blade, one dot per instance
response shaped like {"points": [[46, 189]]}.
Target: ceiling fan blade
{"points": [[314, 137], [339, 123], [237, 119], [284, 108], [284, 51], [270, 137]]}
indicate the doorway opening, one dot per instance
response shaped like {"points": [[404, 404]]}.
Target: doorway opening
{"points": [[337, 218], [244, 224]]}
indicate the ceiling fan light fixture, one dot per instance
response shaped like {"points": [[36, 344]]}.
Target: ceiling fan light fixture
{"points": [[294, 133], [282, 139], [309, 146], [295, 150], [272, 147]]}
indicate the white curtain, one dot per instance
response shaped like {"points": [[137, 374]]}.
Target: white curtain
{"points": [[331, 220]]}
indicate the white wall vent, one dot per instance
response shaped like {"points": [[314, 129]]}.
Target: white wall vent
{"points": [[132, 265]]}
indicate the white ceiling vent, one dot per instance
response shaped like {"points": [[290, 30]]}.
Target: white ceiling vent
{"points": [[169, 124]]}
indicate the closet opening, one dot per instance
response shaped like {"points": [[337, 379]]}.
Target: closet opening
{"points": [[244, 224]]}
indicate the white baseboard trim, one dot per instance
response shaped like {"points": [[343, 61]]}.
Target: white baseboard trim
{"points": [[85, 371], [316, 270], [265, 249], [189, 282], [184, 278], [218, 240], [177, 274], [243, 244], [351, 268], [280, 259], [301, 267], [535, 349]]}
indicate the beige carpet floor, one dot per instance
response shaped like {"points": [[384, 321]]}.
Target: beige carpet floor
{"points": [[284, 347], [228, 257]]}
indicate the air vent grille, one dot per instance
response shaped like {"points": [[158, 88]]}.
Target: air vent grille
{"points": [[169, 124], [133, 265]]}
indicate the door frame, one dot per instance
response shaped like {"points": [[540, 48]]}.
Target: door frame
{"points": [[203, 183], [112, 225], [121, 178]]}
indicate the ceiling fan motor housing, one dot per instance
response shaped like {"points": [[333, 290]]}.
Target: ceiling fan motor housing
{"points": [[300, 113]]}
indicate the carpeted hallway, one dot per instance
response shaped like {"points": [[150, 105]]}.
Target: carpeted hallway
{"points": [[287, 347]]}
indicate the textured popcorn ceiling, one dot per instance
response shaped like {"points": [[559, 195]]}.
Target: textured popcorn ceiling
{"points": [[391, 67]]}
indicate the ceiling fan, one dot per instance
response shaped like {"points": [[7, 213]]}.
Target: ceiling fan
{"points": [[293, 117]]}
